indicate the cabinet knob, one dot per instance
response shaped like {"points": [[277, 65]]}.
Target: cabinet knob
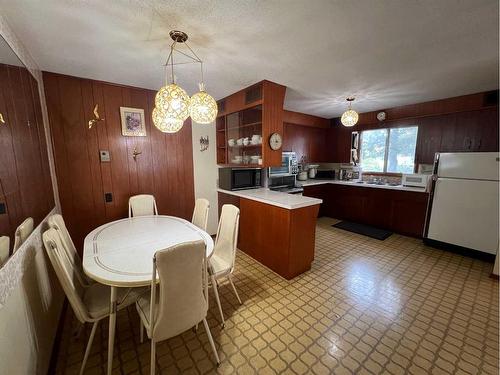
{"points": [[2, 121]]}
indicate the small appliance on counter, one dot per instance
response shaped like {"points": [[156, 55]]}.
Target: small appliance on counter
{"points": [[239, 178], [325, 174], [313, 169], [285, 184], [415, 180], [289, 166], [349, 172]]}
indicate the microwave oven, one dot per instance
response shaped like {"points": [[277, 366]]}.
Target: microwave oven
{"points": [[239, 178], [289, 166]]}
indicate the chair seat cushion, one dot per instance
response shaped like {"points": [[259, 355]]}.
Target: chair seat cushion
{"points": [[96, 297], [218, 266]]}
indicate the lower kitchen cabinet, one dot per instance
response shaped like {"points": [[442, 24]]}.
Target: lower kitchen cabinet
{"points": [[400, 211]]}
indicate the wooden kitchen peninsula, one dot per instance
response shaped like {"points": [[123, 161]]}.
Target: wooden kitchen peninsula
{"points": [[277, 229]]}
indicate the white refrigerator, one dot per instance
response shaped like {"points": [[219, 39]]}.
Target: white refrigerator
{"points": [[464, 205]]}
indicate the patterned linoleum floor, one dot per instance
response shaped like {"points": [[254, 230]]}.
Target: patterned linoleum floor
{"points": [[366, 307]]}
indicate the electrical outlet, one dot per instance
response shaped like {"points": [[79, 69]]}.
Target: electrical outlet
{"points": [[108, 197], [3, 208]]}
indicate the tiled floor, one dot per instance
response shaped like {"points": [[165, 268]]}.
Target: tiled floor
{"points": [[366, 307]]}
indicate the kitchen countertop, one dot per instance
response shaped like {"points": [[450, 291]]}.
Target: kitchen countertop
{"points": [[275, 198], [313, 182]]}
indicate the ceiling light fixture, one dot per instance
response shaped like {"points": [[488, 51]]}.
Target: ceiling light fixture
{"points": [[350, 117], [172, 103]]}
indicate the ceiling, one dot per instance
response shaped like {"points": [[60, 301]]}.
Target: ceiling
{"points": [[386, 52], [7, 55]]}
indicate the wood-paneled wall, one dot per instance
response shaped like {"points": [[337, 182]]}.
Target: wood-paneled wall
{"points": [[164, 168], [25, 183], [461, 124], [306, 135]]}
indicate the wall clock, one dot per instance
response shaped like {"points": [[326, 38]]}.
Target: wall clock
{"points": [[381, 116], [275, 141]]}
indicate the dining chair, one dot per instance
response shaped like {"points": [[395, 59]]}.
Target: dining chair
{"points": [[180, 302], [90, 304], [142, 205], [56, 221], [4, 249], [221, 263], [200, 213], [22, 233]]}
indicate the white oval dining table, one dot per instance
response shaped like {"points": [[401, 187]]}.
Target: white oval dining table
{"points": [[120, 254]]}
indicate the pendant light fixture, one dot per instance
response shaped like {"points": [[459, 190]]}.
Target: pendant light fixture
{"points": [[350, 117], [172, 103]]}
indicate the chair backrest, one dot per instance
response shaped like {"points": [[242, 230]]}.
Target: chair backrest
{"points": [[65, 272], [4, 249], [22, 233], [182, 304], [200, 213], [227, 233], [56, 221], [142, 205]]}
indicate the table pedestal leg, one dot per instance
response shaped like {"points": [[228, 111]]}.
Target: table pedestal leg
{"points": [[112, 325]]}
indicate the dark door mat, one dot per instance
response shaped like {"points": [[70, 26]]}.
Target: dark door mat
{"points": [[365, 230]]}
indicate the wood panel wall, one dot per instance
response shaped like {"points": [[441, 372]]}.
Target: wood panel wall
{"points": [[306, 135], [461, 124], [25, 184], [164, 168]]}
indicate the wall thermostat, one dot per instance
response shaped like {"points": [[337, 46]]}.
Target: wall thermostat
{"points": [[104, 155]]}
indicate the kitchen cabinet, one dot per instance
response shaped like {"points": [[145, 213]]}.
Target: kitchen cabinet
{"points": [[400, 211], [256, 110], [280, 238], [320, 192], [307, 141]]}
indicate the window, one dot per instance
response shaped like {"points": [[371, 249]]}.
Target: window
{"points": [[389, 150]]}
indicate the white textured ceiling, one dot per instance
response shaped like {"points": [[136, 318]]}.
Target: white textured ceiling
{"points": [[7, 55], [384, 52]]}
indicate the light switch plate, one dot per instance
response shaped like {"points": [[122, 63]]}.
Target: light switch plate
{"points": [[104, 155]]}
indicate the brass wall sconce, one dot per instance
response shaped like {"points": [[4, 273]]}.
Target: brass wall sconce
{"points": [[97, 117], [136, 153]]}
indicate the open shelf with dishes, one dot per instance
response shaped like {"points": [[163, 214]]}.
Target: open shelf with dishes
{"points": [[245, 121]]}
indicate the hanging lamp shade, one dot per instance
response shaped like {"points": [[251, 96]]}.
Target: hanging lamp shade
{"points": [[173, 101], [350, 117], [202, 108], [165, 123]]}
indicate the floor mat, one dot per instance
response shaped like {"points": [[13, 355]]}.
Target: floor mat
{"points": [[366, 230]]}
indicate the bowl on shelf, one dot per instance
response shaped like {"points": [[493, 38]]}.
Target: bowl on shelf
{"points": [[239, 142], [246, 141], [231, 142], [254, 159]]}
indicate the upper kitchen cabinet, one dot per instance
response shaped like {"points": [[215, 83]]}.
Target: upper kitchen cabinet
{"points": [[245, 123], [306, 135]]}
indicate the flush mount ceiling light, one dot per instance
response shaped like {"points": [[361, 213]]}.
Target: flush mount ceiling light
{"points": [[172, 103], [350, 117]]}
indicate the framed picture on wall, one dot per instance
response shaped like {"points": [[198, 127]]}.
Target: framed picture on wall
{"points": [[133, 122]]}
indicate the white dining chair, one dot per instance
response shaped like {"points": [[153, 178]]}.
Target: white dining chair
{"points": [[142, 205], [56, 221], [90, 304], [22, 233], [4, 249], [181, 301], [200, 213], [221, 263]]}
